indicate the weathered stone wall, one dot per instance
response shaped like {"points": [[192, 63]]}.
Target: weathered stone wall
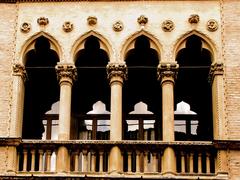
{"points": [[231, 37]]}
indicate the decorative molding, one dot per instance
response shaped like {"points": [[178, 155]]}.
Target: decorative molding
{"points": [[194, 19], [42, 21], [25, 27], [118, 26], [142, 20], [167, 25], [92, 20], [212, 25], [167, 72], [19, 70], [216, 69], [117, 69], [67, 26], [66, 73]]}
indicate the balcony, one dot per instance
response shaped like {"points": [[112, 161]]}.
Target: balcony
{"points": [[141, 159]]}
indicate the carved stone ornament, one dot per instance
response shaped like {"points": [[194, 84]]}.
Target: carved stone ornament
{"points": [[25, 27], [118, 26], [92, 20], [117, 69], [212, 25], [167, 71], [167, 26], [216, 69], [142, 20], [67, 26], [66, 72], [19, 70], [42, 21], [194, 19]]}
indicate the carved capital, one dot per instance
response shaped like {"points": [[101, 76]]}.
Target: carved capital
{"points": [[66, 73], [167, 72], [117, 70], [19, 70], [216, 69]]}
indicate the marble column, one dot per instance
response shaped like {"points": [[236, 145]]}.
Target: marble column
{"points": [[167, 73], [117, 73], [66, 74]]}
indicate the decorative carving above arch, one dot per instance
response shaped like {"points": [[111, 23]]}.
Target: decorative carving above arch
{"points": [[92, 20], [212, 25], [29, 45], [42, 21], [104, 44], [129, 43], [207, 43], [25, 27], [167, 25], [67, 26], [118, 26], [142, 20], [194, 19]]}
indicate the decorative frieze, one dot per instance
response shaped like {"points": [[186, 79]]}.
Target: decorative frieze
{"points": [[66, 72], [19, 70], [117, 69], [212, 25], [118, 26], [25, 27], [194, 19], [42, 21], [167, 72], [167, 26], [216, 69], [92, 20], [67, 26], [142, 20]]}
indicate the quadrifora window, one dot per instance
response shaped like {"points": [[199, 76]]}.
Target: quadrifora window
{"points": [[193, 90]]}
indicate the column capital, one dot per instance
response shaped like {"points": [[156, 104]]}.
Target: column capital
{"points": [[66, 73], [215, 69], [19, 70], [117, 70], [167, 72]]}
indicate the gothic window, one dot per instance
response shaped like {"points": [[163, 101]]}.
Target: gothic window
{"points": [[193, 87], [41, 88]]}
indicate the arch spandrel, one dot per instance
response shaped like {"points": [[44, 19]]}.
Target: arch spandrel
{"points": [[207, 43], [129, 44], [29, 45], [79, 45]]}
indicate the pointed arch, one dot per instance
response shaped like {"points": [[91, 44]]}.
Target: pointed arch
{"points": [[79, 44], [29, 45], [207, 43], [129, 43]]}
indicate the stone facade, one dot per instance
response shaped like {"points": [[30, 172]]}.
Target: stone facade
{"points": [[20, 26]]}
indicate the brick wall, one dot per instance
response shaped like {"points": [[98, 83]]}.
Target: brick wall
{"points": [[231, 12], [7, 29]]}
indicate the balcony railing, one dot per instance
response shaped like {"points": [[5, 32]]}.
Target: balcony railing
{"points": [[140, 158]]}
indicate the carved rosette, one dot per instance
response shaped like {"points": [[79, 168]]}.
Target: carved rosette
{"points": [[19, 70], [167, 72], [67, 26], [118, 26], [92, 20], [194, 19], [66, 73], [212, 25], [25, 27], [142, 20], [216, 69], [117, 70], [167, 26], [42, 21]]}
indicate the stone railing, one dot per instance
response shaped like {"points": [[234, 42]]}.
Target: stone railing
{"points": [[139, 158]]}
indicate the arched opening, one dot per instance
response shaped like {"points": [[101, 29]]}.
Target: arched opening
{"points": [[142, 86], [41, 88], [91, 86], [193, 87]]}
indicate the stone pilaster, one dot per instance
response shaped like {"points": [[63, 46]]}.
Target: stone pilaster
{"points": [[66, 74], [167, 72], [117, 73]]}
